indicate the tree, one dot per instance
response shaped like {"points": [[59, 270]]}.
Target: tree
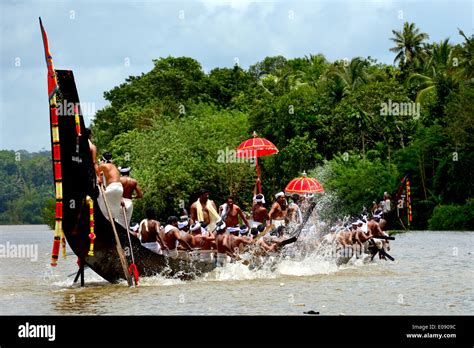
{"points": [[438, 79], [466, 54], [349, 76], [408, 45]]}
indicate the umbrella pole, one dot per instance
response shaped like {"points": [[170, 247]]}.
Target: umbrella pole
{"points": [[259, 185]]}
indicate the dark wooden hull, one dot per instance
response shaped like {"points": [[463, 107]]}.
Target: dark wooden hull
{"points": [[78, 183]]}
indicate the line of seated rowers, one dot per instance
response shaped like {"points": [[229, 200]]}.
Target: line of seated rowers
{"points": [[359, 234], [178, 235]]}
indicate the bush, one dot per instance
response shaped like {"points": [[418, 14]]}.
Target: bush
{"points": [[355, 182], [453, 217]]}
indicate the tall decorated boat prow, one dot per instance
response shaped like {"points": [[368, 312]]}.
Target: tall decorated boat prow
{"points": [[78, 220]]}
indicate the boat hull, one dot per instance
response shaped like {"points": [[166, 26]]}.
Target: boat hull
{"points": [[78, 182]]}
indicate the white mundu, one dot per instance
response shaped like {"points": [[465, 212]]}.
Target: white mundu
{"points": [[113, 193]]}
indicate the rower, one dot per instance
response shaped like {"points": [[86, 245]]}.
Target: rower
{"points": [[173, 237], [294, 211], [134, 227], [183, 224], [374, 229], [149, 232], [223, 248], [279, 211], [130, 186], [234, 230], [230, 212], [183, 227], [204, 210], [244, 231], [239, 240], [271, 242], [114, 188], [359, 238], [204, 243]]}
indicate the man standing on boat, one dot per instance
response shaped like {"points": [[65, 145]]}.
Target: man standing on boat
{"points": [[93, 149], [114, 188], [130, 186], [205, 210], [294, 211], [230, 213], [279, 211], [259, 212]]}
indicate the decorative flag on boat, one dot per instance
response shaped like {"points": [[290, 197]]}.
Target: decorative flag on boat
{"points": [[408, 190], [404, 197], [53, 113]]}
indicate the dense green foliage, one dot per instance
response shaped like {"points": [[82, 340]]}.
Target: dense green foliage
{"points": [[453, 217], [173, 120], [26, 185], [359, 126]]}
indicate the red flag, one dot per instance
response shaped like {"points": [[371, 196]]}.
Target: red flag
{"points": [[52, 81]]}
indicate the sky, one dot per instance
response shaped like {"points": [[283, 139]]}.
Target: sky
{"points": [[107, 42]]}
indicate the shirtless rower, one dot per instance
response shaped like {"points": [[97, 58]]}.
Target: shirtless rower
{"points": [[237, 243], [114, 189], [199, 240], [150, 233], [271, 243], [279, 211], [173, 237], [204, 243], [130, 186], [230, 213], [223, 244], [294, 211], [374, 229], [204, 210], [359, 237]]}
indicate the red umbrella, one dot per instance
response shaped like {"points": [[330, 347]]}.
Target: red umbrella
{"points": [[254, 148], [304, 185]]}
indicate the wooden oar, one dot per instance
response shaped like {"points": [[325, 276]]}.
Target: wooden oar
{"points": [[305, 219], [264, 232], [133, 267], [385, 237], [118, 245], [288, 241]]}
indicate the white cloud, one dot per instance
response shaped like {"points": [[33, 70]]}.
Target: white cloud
{"points": [[96, 42], [239, 5]]}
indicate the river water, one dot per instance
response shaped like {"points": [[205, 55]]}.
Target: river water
{"points": [[432, 275]]}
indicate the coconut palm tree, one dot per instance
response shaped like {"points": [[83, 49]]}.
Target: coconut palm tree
{"points": [[466, 54], [348, 77], [438, 71], [408, 44]]}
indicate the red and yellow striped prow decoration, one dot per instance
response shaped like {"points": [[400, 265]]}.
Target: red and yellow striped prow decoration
{"points": [[53, 113], [92, 236], [77, 120], [408, 201]]}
